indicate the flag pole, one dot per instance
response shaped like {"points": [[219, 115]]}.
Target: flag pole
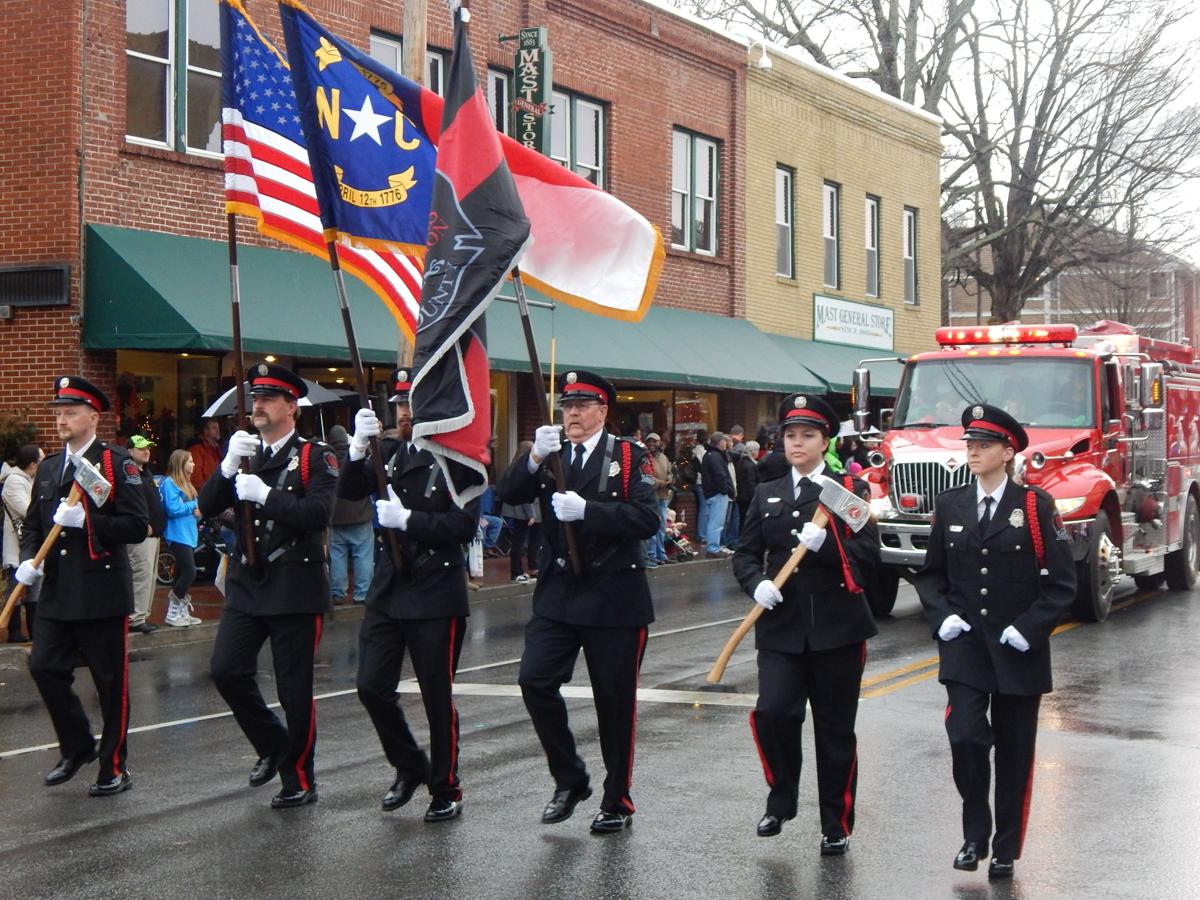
{"points": [[360, 380], [535, 366], [249, 549]]}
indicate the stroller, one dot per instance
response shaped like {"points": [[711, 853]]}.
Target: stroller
{"points": [[675, 540]]}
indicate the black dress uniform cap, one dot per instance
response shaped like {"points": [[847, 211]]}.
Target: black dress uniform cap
{"points": [[982, 422], [810, 410], [265, 378], [402, 380], [70, 390], [580, 385]]}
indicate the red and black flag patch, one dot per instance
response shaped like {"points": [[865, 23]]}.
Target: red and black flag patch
{"points": [[133, 475]]}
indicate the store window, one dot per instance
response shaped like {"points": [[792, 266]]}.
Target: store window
{"points": [[173, 74], [910, 256], [498, 99], [577, 135], [695, 164], [785, 255], [389, 50], [164, 396], [831, 214], [871, 238]]}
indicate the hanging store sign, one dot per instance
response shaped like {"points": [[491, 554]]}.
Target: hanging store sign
{"points": [[839, 321], [532, 81]]}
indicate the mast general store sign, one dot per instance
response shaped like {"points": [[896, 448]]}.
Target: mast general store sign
{"points": [[838, 321]]}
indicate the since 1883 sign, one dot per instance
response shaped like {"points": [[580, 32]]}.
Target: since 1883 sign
{"points": [[839, 321], [532, 80]]}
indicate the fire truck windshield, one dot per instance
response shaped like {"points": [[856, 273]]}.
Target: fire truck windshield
{"points": [[1046, 392]]}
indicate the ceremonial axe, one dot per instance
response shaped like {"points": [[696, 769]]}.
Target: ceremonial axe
{"points": [[88, 480], [835, 500]]}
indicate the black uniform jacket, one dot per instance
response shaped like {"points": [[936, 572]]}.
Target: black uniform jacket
{"points": [[432, 584], [819, 611], [611, 591], [992, 581], [291, 575], [87, 569]]}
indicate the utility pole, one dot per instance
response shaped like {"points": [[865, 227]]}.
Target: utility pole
{"points": [[416, 31]]}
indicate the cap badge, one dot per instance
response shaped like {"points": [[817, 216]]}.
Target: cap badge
{"points": [[402, 375], [801, 402], [262, 369], [1017, 519], [64, 383], [977, 412], [572, 378]]}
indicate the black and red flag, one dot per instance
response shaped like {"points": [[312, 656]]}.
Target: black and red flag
{"points": [[477, 233]]}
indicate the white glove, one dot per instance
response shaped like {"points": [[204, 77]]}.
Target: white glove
{"points": [[70, 516], [28, 575], [242, 445], [251, 488], [568, 507], [547, 440], [392, 512], [953, 627], [812, 537], [366, 426], [767, 595], [1014, 639]]}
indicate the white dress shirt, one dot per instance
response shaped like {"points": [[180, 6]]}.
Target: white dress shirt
{"points": [[980, 494], [796, 476]]}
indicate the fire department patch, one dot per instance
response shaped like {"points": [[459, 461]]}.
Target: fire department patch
{"points": [[614, 468], [331, 463], [293, 464], [1017, 518], [133, 475], [1060, 530]]}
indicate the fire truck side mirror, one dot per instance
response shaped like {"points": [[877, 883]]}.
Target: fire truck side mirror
{"points": [[1151, 394], [1129, 378], [860, 398]]}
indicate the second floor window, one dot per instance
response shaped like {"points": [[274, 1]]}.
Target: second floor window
{"points": [[910, 255], [173, 74], [577, 135], [830, 224], [695, 164], [390, 51], [871, 227], [785, 263], [498, 100]]}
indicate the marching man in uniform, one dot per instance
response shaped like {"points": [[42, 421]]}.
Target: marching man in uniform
{"points": [[998, 577], [422, 607], [291, 489], [87, 589], [605, 609]]}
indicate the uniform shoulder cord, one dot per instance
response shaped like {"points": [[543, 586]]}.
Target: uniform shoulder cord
{"points": [[1035, 528]]}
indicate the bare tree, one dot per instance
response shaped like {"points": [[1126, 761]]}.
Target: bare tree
{"points": [[1071, 117], [898, 44]]}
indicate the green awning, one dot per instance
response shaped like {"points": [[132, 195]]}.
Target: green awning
{"points": [[152, 291], [834, 364]]}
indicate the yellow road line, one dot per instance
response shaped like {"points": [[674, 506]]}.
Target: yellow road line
{"points": [[903, 670], [887, 689]]}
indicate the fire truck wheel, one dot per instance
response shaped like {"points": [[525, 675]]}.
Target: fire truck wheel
{"points": [[881, 594], [1181, 564], [1093, 596]]}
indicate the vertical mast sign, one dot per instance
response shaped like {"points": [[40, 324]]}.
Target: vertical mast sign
{"points": [[532, 80]]}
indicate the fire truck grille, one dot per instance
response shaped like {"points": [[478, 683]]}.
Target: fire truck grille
{"points": [[924, 481]]}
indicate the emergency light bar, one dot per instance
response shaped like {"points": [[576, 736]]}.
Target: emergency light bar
{"points": [[1007, 334]]}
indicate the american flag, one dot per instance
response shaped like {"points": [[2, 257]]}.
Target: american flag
{"points": [[267, 174]]}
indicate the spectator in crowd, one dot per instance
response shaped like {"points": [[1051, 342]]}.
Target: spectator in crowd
{"points": [[206, 452], [774, 464], [179, 501], [352, 539], [747, 481], [490, 524], [15, 495], [656, 550], [143, 557], [525, 522], [718, 491], [698, 451], [737, 435]]}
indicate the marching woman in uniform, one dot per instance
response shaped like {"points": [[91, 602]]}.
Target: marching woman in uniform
{"points": [[998, 577], [812, 638]]}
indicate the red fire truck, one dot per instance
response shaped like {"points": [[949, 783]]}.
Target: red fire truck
{"points": [[1113, 419]]}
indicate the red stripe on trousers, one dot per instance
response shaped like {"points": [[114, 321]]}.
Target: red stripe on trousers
{"points": [[848, 797], [1027, 802], [637, 675], [762, 757], [453, 712], [121, 737], [312, 719], [946, 718]]}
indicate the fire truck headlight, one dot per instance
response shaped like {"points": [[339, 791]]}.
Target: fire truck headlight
{"points": [[1037, 459], [877, 459], [881, 508], [1068, 505]]}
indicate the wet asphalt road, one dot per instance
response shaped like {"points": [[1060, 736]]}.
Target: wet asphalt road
{"points": [[1115, 812]]}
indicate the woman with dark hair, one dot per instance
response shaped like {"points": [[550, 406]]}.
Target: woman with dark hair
{"points": [[18, 488], [179, 501]]}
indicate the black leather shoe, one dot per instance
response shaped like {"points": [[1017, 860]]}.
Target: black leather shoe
{"points": [[264, 770], [563, 803], [443, 810], [610, 822], [286, 799], [122, 782], [834, 846], [969, 856], [66, 768], [1001, 868], [144, 628], [400, 792], [769, 825]]}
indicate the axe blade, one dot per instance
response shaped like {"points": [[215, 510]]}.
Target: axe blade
{"points": [[846, 505], [90, 481]]}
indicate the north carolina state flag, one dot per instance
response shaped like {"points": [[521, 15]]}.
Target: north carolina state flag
{"points": [[477, 233]]}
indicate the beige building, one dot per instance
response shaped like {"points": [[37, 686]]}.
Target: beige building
{"points": [[842, 230]]}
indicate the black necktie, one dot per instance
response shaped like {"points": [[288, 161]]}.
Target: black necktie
{"points": [[986, 518], [577, 464], [801, 485], [268, 453]]}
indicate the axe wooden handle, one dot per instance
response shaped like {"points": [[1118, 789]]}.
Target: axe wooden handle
{"points": [[14, 598], [820, 519]]}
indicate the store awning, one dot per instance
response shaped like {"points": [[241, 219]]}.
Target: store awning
{"points": [[151, 291], [834, 364]]}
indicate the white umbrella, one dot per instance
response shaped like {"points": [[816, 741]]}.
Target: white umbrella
{"points": [[226, 404]]}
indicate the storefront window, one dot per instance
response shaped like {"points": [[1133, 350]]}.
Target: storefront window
{"points": [[164, 395]]}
